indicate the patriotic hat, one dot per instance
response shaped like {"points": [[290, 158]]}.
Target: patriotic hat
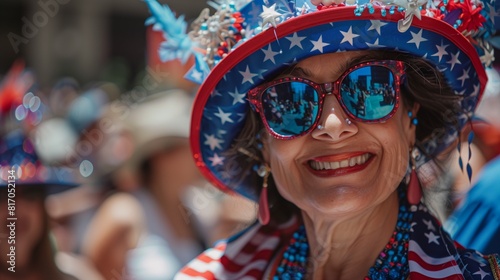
{"points": [[20, 111], [247, 42], [20, 166]]}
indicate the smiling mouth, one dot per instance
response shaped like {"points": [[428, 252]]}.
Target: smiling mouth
{"points": [[332, 165]]}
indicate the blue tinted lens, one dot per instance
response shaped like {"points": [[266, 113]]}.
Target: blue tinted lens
{"points": [[290, 108], [369, 92]]}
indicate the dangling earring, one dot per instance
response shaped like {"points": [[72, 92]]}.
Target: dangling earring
{"points": [[263, 171], [414, 120], [264, 214], [414, 192]]}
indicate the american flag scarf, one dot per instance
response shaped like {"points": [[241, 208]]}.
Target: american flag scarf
{"points": [[432, 254]]}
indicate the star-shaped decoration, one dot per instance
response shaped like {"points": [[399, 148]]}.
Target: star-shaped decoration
{"points": [[319, 45], [441, 51], [247, 76], [221, 133], [482, 273], [431, 237], [429, 225], [295, 40], [492, 13], [215, 93], [269, 54], [269, 16], [242, 117], [454, 60], [216, 160], [417, 38], [348, 36], [213, 142], [477, 87], [488, 57], [376, 25], [464, 76], [196, 75], [224, 117], [460, 93], [254, 11], [412, 225], [375, 44], [237, 97]]}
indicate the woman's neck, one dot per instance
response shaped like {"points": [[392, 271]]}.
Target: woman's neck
{"points": [[347, 248]]}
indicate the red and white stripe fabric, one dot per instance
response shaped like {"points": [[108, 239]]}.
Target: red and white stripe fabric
{"points": [[432, 254]]}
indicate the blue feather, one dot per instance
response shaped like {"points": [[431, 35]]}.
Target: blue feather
{"points": [[178, 45]]}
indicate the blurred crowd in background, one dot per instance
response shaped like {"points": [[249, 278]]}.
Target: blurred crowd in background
{"points": [[82, 81]]}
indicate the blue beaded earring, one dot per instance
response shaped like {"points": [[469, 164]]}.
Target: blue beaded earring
{"points": [[414, 120]]}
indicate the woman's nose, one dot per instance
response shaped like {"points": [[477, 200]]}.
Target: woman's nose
{"points": [[334, 124]]}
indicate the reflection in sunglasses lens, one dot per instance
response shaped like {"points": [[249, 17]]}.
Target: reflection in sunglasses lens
{"points": [[367, 93], [290, 108]]}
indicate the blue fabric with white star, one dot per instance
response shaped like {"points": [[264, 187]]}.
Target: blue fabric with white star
{"points": [[439, 255], [226, 108]]}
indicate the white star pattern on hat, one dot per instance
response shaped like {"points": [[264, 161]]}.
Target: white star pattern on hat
{"points": [[441, 51], [295, 40], [376, 25], [454, 60], [319, 45], [417, 38], [213, 142], [247, 76], [269, 54], [216, 160], [464, 76], [348, 36], [224, 117], [237, 97]]}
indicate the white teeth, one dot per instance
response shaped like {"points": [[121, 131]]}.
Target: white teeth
{"points": [[339, 164]]}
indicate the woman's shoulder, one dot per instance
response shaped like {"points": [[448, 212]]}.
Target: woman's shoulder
{"points": [[247, 253]]}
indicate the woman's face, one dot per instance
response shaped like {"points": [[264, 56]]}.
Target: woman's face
{"points": [[380, 152]]}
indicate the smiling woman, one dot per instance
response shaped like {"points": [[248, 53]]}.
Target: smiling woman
{"points": [[327, 116]]}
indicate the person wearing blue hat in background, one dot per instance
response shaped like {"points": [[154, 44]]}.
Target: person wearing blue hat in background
{"points": [[471, 221], [25, 246], [339, 178]]}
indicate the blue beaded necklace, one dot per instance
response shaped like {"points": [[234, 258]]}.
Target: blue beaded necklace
{"points": [[392, 262]]}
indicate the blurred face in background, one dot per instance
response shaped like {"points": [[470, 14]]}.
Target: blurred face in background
{"points": [[173, 169], [29, 226]]}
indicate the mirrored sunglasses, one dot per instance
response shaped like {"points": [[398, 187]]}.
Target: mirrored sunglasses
{"points": [[291, 106]]}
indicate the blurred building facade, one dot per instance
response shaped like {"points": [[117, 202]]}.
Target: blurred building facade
{"points": [[87, 39]]}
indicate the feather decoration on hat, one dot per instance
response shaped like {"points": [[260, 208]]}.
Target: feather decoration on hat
{"points": [[178, 45]]}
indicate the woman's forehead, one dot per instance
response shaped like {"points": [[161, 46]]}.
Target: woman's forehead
{"points": [[328, 65]]}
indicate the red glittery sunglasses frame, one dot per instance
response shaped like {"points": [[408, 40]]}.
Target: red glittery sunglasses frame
{"points": [[255, 94]]}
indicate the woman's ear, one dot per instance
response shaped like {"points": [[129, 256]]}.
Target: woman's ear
{"points": [[415, 109], [412, 122]]}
